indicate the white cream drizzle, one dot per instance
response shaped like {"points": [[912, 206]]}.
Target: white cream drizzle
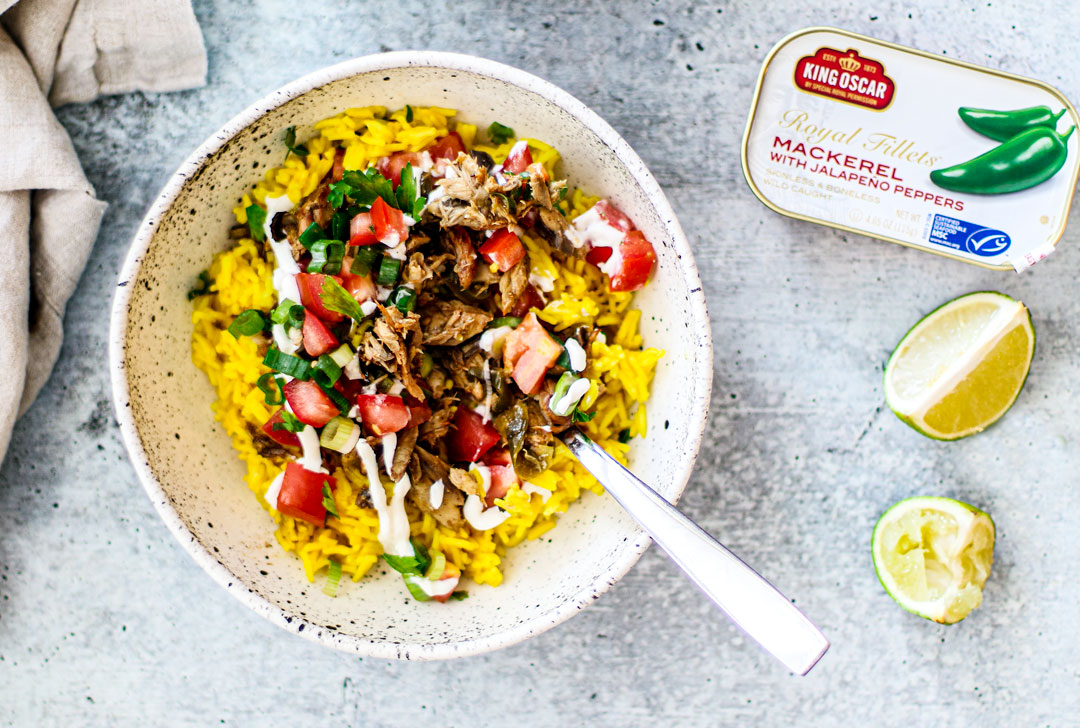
{"points": [[274, 490], [312, 457], [576, 354], [534, 489], [480, 518], [439, 588], [393, 523], [389, 446], [589, 228], [435, 495]]}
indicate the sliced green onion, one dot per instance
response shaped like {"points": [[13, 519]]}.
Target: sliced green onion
{"points": [[438, 566], [580, 416], [499, 133], [404, 298], [325, 371], [248, 323], [388, 271], [336, 397], [384, 385], [562, 386], [289, 313], [326, 256], [339, 434], [328, 501], [333, 579], [312, 235], [256, 217], [336, 298], [289, 422], [342, 355], [417, 593], [288, 364], [364, 260], [426, 365], [339, 226], [271, 386], [511, 321]]}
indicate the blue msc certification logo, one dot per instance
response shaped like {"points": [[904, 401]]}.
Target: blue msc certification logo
{"points": [[967, 237]]}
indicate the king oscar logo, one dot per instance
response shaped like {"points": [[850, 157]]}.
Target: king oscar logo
{"points": [[845, 76]]}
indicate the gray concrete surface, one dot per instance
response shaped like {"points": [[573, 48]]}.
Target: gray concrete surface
{"points": [[105, 621]]}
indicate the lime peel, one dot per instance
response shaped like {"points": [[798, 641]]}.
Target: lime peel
{"points": [[961, 367], [933, 556]]}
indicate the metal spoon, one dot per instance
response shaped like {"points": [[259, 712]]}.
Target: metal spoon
{"points": [[752, 603]]}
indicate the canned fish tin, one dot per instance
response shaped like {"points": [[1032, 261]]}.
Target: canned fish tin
{"points": [[905, 146]]}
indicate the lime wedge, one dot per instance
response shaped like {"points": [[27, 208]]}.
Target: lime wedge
{"points": [[959, 369], [933, 556]]}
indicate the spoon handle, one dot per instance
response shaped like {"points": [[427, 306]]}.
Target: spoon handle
{"points": [[752, 603]]}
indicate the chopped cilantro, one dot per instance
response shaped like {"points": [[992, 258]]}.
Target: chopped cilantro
{"points": [[289, 422], [203, 287], [256, 219], [499, 133], [336, 298], [328, 501], [290, 142]]}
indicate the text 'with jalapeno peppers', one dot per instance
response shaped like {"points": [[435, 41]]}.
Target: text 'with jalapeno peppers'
{"points": [[798, 149]]}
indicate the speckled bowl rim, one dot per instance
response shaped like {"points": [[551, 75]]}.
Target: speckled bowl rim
{"points": [[147, 228]]}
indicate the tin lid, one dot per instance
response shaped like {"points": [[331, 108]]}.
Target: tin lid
{"points": [[917, 149]]}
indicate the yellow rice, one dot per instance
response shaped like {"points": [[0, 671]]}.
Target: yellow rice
{"points": [[242, 280]]}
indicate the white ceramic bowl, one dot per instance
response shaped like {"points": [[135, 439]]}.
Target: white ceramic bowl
{"points": [[185, 460]]}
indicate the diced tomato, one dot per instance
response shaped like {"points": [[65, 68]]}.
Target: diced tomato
{"points": [[447, 148], [362, 288], [504, 249], [281, 436], [390, 167], [528, 299], [389, 223], [498, 456], [613, 216], [503, 478], [598, 255], [518, 160], [470, 437], [349, 388], [383, 413], [310, 285], [638, 261], [301, 494], [317, 338], [360, 232], [449, 572], [309, 404], [531, 351], [419, 414], [339, 166]]}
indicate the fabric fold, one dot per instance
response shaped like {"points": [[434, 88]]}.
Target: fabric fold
{"points": [[54, 52]]}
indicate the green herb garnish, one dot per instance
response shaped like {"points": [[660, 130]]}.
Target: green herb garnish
{"points": [[408, 197], [328, 501], [404, 298], [363, 260], [203, 287], [388, 271], [580, 416], [408, 113], [364, 187], [624, 435], [248, 323], [459, 595], [415, 565], [336, 195], [289, 422], [256, 220], [336, 298], [290, 142], [339, 226], [499, 133]]}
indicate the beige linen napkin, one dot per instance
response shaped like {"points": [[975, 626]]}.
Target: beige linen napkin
{"points": [[54, 52]]}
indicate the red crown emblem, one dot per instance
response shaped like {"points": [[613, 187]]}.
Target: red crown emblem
{"points": [[845, 77]]}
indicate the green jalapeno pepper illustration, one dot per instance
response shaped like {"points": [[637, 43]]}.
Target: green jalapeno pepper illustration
{"points": [[1029, 158], [1004, 125]]}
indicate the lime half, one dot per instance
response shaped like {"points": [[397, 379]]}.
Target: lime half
{"points": [[959, 369], [933, 556]]}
